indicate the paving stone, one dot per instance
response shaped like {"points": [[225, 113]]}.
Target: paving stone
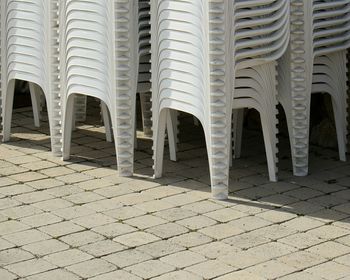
{"points": [[301, 276], [46, 247], [30, 267], [303, 223], [26, 237], [5, 244], [114, 229], [214, 249], [329, 232], [345, 260], [221, 231], [181, 199], [56, 274], [84, 197], [14, 255], [153, 206], [45, 184], [178, 275], [8, 202], [8, 227], [301, 259], [73, 212], [183, 259], [133, 199], [210, 269], [6, 275], [127, 257], [247, 240], [329, 249], [33, 197], [81, 238], [68, 257], [57, 171], [202, 207], [344, 240], [304, 208], [225, 215], [5, 181], [74, 178], [191, 239], [160, 248], [124, 213], [149, 269], [62, 191], [167, 230], [162, 191], [175, 214], [271, 250], [41, 220], [271, 269], [93, 184], [241, 275], [330, 270], [304, 193], [15, 190], [91, 268], [53, 204], [249, 223], [103, 205], [102, 248], [27, 177], [197, 222], [146, 221], [60, 229], [93, 220], [119, 274], [242, 259], [276, 216], [301, 240], [135, 239]]}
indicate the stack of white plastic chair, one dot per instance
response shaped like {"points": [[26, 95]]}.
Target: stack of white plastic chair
{"points": [[144, 78], [210, 57], [29, 52], [315, 62], [100, 59]]}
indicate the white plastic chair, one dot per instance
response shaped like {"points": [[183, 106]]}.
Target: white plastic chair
{"points": [[144, 78], [315, 62], [29, 52], [99, 57], [210, 57]]}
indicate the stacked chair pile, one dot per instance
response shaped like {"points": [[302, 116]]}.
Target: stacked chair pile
{"points": [[210, 58]]}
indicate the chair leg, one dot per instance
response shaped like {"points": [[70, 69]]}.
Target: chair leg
{"points": [[270, 139], [159, 126], [238, 118], [80, 107], [68, 120], [7, 107], [106, 122], [218, 147], [172, 133], [146, 109], [340, 116], [339, 98], [35, 97]]}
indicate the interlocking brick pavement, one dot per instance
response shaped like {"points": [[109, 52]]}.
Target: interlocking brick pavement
{"points": [[79, 220]]}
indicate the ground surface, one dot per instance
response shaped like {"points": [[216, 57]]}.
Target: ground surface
{"points": [[79, 220]]}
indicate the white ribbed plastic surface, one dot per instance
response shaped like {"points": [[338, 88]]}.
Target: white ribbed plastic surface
{"points": [[29, 52], [99, 50], [315, 62]]}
